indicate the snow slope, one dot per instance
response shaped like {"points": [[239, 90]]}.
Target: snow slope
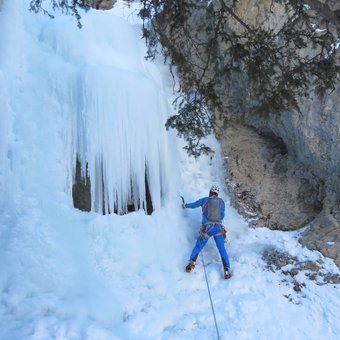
{"points": [[67, 274]]}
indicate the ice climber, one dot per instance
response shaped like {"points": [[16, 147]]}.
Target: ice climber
{"points": [[213, 209]]}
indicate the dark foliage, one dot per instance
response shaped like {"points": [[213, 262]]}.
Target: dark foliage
{"points": [[277, 69], [65, 6]]}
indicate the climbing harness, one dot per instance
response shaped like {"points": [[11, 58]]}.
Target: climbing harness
{"points": [[206, 227]]}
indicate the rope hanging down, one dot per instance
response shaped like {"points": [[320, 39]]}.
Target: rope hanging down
{"points": [[207, 282], [211, 303]]}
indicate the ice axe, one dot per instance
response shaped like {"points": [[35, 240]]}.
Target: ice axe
{"points": [[183, 202]]}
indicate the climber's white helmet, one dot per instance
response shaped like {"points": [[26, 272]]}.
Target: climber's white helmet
{"points": [[215, 189]]}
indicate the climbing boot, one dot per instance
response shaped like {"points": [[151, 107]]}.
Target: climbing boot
{"points": [[190, 266], [227, 274]]}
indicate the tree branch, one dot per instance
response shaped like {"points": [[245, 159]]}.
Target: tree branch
{"points": [[236, 17]]}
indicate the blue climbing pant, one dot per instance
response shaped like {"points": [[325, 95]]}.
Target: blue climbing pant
{"points": [[211, 230]]}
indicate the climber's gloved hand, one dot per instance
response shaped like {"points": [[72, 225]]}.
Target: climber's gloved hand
{"points": [[183, 205]]}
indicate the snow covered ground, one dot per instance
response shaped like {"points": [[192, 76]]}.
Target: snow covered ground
{"points": [[66, 274]]}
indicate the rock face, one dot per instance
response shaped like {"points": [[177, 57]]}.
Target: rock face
{"points": [[268, 186], [283, 170], [289, 190], [81, 190], [101, 4], [324, 234]]}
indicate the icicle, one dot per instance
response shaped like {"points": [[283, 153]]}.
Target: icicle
{"points": [[120, 135]]}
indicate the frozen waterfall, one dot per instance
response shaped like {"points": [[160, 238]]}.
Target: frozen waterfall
{"points": [[89, 94]]}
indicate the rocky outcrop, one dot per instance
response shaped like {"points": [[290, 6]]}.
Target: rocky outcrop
{"points": [[271, 188], [268, 186], [101, 4], [281, 261], [288, 191], [324, 234], [289, 181]]}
